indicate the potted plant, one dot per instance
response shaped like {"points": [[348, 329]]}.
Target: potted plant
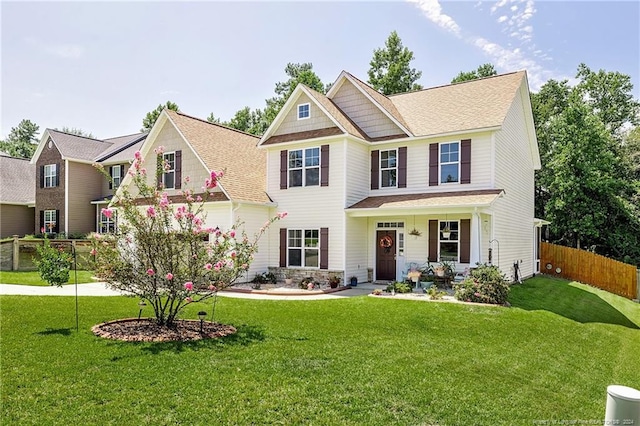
{"points": [[307, 283], [446, 232], [415, 233], [353, 281], [288, 277], [334, 281]]}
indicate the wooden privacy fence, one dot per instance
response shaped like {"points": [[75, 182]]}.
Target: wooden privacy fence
{"points": [[18, 254], [589, 268]]}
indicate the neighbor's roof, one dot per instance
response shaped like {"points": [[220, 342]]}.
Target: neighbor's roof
{"points": [[18, 177], [475, 104], [78, 147], [223, 148], [122, 147], [475, 198]]}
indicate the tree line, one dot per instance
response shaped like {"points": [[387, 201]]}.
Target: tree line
{"points": [[588, 137]]}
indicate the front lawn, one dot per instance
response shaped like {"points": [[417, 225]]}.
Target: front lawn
{"points": [[356, 361], [33, 277]]}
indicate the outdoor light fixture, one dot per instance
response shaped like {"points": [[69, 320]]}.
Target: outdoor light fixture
{"points": [[142, 304], [201, 315]]}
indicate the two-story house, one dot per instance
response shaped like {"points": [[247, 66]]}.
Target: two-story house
{"points": [[69, 191], [372, 182]]}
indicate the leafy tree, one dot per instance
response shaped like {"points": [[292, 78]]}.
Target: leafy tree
{"points": [[152, 116], [78, 132], [390, 70], [212, 119], [246, 120], [485, 70], [22, 140]]}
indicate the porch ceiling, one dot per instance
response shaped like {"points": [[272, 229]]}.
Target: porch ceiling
{"points": [[424, 203]]}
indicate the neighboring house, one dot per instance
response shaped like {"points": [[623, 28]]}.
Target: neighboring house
{"points": [[192, 148], [17, 196], [357, 171], [69, 191]]}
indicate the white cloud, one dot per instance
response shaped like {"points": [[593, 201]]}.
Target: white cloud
{"points": [[433, 11], [72, 51], [502, 19]]}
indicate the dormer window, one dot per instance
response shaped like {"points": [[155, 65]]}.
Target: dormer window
{"points": [[303, 111]]}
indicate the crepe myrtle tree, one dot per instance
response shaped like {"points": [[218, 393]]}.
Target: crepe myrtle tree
{"points": [[163, 253]]}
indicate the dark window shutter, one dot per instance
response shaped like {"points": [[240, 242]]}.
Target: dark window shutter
{"points": [[433, 240], [465, 161], [159, 169], [41, 176], [111, 174], [41, 221], [433, 164], [283, 247], [465, 240], [57, 174], [178, 169], [56, 228], [402, 167], [324, 165], [121, 172], [283, 168], [324, 248], [375, 169]]}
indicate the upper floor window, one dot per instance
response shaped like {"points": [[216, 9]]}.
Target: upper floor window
{"points": [[303, 111], [107, 224], [169, 173], [304, 167], [388, 168], [50, 220], [449, 240], [304, 247], [449, 162], [116, 175], [50, 176]]}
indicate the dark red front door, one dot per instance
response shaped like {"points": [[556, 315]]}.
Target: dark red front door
{"points": [[386, 255]]}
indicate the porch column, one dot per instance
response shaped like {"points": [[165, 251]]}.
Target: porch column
{"points": [[475, 254]]}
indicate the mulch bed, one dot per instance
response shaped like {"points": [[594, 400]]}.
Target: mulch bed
{"points": [[147, 330]]}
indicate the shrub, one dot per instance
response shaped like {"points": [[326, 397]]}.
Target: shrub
{"points": [[485, 284], [304, 284], [54, 263], [434, 293], [399, 287]]}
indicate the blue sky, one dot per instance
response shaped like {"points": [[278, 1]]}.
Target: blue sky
{"points": [[101, 66]]}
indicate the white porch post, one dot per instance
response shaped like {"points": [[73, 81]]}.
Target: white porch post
{"points": [[475, 255]]}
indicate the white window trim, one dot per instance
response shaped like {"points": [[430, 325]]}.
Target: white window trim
{"points": [[309, 111], [49, 218], [303, 248], [115, 176], [165, 172], [106, 221], [440, 163], [440, 240], [388, 168], [304, 167], [50, 171]]}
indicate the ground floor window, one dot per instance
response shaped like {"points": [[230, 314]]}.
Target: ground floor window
{"points": [[303, 247], [50, 220], [449, 240], [107, 224]]}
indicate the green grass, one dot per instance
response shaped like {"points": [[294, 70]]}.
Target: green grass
{"points": [[33, 277], [364, 360]]}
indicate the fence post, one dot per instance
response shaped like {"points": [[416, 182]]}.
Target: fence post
{"points": [[15, 260]]}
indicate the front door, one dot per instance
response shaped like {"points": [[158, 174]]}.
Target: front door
{"points": [[386, 255]]}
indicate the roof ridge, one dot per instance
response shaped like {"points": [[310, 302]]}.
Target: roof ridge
{"points": [[215, 124], [124, 136], [457, 83], [77, 136], [366, 84]]}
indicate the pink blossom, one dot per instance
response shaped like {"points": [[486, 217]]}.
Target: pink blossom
{"points": [[93, 252], [164, 201], [107, 213], [96, 235], [244, 266], [159, 150], [207, 266], [199, 199], [233, 254], [143, 171], [217, 266], [150, 272], [232, 233], [212, 287], [169, 276], [151, 212], [42, 230], [137, 155], [188, 299], [188, 285], [282, 215], [131, 172], [187, 179]]}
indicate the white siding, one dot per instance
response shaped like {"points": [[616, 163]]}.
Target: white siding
{"points": [[253, 217], [311, 206], [357, 174], [356, 248], [317, 119], [513, 218], [363, 112]]}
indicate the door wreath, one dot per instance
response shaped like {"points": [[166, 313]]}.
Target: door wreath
{"points": [[386, 242]]}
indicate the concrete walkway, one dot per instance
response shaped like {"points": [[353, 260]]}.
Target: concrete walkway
{"points": [[100, 289]]}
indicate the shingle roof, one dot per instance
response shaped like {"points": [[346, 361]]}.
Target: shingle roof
{"points": [[475, 104], [120, 144], [221, 148], [18, 179], [78, 147], [441, 199], [337, 113]]}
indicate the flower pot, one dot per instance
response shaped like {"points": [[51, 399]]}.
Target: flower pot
{"points": [[333, 285], [288, 281]]}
